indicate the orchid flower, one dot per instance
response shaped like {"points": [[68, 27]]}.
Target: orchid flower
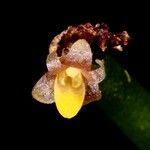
{"points": [[70, 82]]}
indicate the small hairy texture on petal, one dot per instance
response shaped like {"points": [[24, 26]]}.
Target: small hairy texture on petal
{"points": [[100, 72], [43, 89], [97, 75], [92, 93], [53, 63], [79, 55]]}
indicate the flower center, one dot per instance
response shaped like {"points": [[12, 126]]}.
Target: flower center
{"points": [[70, 77], [72, 72]]}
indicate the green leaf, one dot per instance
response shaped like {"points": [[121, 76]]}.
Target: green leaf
{"points": [[127, 103]]}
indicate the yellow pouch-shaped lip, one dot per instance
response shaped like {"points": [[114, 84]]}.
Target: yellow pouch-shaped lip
{"points": [[69, 92]]}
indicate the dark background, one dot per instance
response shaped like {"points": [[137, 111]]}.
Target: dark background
{"points": [[36, 26]]}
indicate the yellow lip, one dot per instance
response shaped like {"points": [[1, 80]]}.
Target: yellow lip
{"points": [[69, 92]]}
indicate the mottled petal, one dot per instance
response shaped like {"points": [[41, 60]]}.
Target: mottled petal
{"points": [[94, 77], [43, 89], [97, 75], [79, 55], [92, 93], [100, 72], [53, 63]]}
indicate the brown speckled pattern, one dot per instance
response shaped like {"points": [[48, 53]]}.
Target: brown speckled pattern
{"points": [[79, 55], [43, 90]]}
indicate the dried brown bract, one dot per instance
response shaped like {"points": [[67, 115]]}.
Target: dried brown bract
{"points": [[99, 32]]}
